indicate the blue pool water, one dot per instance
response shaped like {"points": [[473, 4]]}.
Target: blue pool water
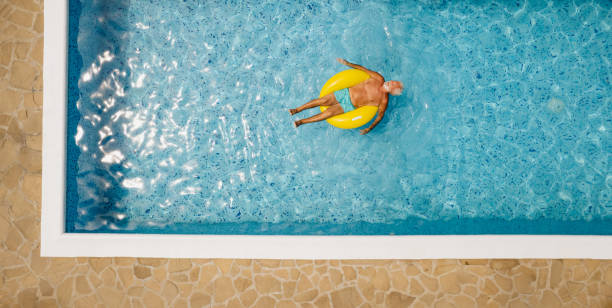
{"points": [[178, 118]]}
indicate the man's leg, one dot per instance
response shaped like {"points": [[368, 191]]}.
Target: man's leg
{"points": [[333, 110], [326, 100]]}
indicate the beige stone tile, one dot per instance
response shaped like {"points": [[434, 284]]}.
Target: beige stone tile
{"points": [[126, 276], [9, 151], [21, 50], [27, 298], [366, 288], [265, 284], [11, 100], [381, 280], [288, 288], [5, 226], [269, 263], [549, 300], [135, 291], [430, 283], [45, 288], [556, 272], [82, 285], [224, 265], [38, 265], [504, 283], [23, 75], [39, 23], [412, 270], [15, 131], [3, 73], [48, 303], [580, 273], [325, 284], [489, 288], [247, 262], [154, 262], [321, 269], [416, 288], [20, 208], [94, 279], [64, 292], [12, 177], [33, 101], [442, 267], [542, 278], [29, 227], [524, 283], [31, 187], [223, 289], [13, 241], [335, 276], [306, 296], [591, 264], [198, 300], [28, 5], [307, 269], [347, 297], [153, 284], [179, 265], [33, 122], [503, 265], [426, 266], [282, 273], [14, 272], [323, 302], [180, 303], [194, 274], [242, 284], [151, 300], [31, 160], [449, 283], [248, 298], [517, 303], [5, 119], [443, 303], [99, 264], [265, 302], [170, 291], [6, 54], [399, 281], [398, 299]]}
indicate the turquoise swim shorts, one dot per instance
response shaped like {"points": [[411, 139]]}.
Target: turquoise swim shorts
{"points": [[343, 97]]}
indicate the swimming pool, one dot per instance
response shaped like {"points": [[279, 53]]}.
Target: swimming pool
{"points": [[180, 125]]}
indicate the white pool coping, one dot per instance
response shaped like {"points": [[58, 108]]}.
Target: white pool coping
{"points": [[56, 243]]}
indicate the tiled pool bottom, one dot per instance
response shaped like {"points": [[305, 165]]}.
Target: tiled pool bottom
{"points": [[483, 146]]}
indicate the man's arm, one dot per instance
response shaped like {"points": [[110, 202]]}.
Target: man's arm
{"points": [[372, 74], [381, 113]]}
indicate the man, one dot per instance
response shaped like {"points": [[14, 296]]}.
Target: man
{"points": [[372, 92]]}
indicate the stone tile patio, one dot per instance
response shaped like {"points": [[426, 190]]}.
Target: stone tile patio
{"points": [[30, 281]]}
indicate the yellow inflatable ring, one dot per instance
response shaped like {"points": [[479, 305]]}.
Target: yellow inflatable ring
{"points": [[357, 117]]}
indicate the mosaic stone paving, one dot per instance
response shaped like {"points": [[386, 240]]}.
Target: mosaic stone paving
{"points": [[26, 280]]}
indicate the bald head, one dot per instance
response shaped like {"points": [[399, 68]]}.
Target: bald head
{"points": [[393, 87]]}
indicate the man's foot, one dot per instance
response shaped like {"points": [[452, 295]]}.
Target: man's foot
{"points": [[293, 111], [297, 123]]}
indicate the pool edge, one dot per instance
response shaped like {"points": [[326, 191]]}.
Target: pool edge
{"points": [[56, 243]]}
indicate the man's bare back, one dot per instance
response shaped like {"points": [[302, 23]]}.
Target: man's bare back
{"points": [[372, 92]]}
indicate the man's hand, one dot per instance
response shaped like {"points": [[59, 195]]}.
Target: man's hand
{"points": [[364, 131], [342, 61]]}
